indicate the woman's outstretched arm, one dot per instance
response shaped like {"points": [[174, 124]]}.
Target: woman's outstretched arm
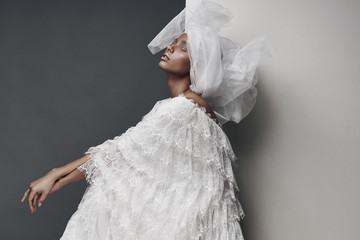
{"points": [[53, 181], [62, 171], [74, 176]]}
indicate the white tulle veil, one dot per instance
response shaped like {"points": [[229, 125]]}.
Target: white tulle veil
{"points": [[222, 72]]}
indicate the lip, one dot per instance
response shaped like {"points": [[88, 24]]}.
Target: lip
{"points": [[165, 57]]}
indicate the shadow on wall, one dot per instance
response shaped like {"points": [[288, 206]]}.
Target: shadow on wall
{"points": [[246, 138]]}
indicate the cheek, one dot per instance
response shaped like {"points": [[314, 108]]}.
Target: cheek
{"points": [[180, 64], [183, 61]]}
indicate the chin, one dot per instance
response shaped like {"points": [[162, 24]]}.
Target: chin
{"points": [[161, 65]]}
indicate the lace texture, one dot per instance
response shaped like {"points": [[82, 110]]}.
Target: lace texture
{"points": [[168, 177]]}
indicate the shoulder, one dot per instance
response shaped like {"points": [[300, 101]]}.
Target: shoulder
{"points": [[200, 101], [197, 99]]}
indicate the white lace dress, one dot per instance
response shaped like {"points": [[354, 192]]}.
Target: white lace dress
{"points": [[168, 177]]}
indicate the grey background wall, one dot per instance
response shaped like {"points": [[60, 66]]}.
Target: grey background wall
{"points": [[299, 148], [75, 73]]}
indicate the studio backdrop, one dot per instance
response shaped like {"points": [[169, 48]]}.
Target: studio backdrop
{"points": [[76, 73]]}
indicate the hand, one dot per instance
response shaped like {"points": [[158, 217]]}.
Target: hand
{"points": [[38, 190]]}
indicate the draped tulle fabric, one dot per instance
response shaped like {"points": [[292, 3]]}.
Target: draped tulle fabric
{"points": [[221, 71], [168, 177]]}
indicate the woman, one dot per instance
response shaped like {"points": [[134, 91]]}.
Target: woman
{"points": [[175, 62], [170, 176]]}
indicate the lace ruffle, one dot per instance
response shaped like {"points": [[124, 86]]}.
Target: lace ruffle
{"points": [[168, 177]]}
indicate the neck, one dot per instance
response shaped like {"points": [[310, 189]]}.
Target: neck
{"points": [[178, 85]]}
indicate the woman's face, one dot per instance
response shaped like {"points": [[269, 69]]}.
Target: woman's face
{"points": [[176, 59]]}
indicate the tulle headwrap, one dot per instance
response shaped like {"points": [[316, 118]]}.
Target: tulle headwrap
{"points": [[221, 72]]}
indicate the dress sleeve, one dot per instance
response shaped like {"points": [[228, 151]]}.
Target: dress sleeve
{"points": [[92, 168], [102, 157]]}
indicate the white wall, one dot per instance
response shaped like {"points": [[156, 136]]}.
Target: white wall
{"points": [[299, 148]]}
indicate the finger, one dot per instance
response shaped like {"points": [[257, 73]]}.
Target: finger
{"points": [[30, 199], [35, 199], [32, 202], [42, 199], [25, 194]]}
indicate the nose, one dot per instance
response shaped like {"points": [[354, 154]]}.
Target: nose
{"points": [[170, 47]]}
